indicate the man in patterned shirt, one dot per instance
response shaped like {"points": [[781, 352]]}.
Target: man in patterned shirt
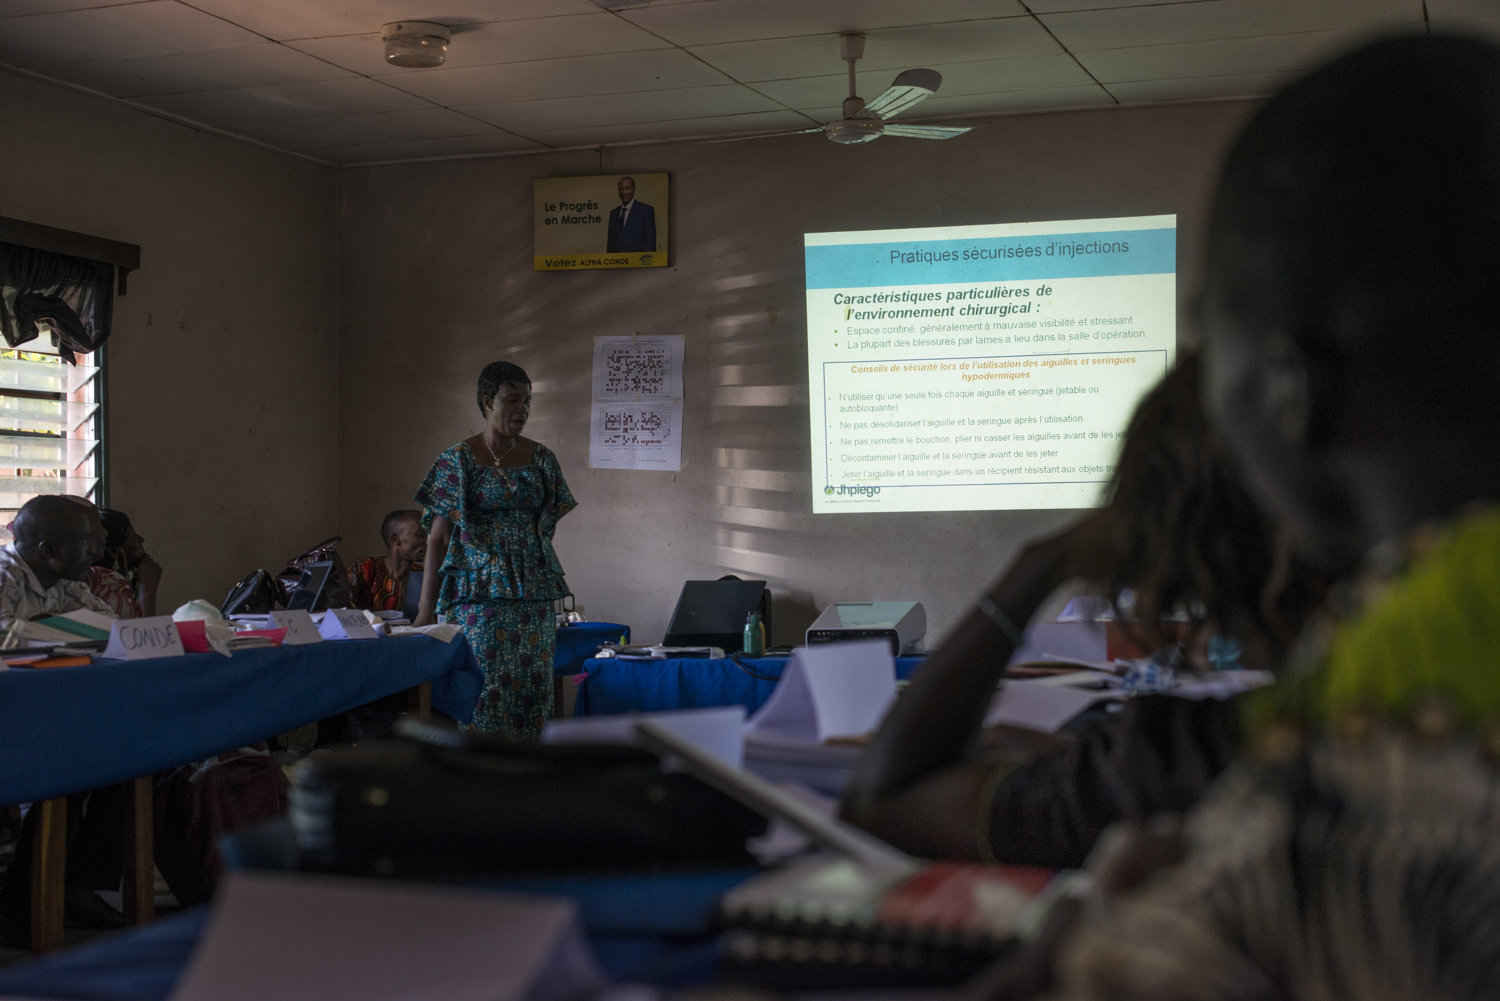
{"points": [[42, 572], [378, 583]]}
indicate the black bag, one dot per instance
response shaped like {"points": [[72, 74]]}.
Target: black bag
{"points": [[336, 593], [254, 594], [489, 806]]}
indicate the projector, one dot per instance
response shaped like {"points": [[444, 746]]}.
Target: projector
{"points": [[901, 623]]}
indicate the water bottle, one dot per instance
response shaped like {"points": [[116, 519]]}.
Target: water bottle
{"points": [[754, 644]]}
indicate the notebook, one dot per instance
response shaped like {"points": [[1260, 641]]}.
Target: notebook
{"points": [[869, 916]]}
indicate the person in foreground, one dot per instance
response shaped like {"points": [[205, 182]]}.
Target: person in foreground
{"points": [[378, 583], [1180, 531], [490, 505], [43, 570], [56, 540], [1349, 313]]}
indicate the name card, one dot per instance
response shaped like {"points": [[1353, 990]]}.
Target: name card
{"points": [[299, 626], [346, 624], [137, 639]]}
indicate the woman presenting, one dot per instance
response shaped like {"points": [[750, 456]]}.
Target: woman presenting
{"points": [[490, 505]]}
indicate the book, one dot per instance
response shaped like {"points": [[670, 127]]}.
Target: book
{"points": [[869, 915], [833, 923]]}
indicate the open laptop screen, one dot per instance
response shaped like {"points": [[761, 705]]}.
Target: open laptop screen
{"points": [[310, 587]]}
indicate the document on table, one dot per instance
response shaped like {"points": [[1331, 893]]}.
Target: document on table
{"points": [[716, 729], [299, 937], [830, 690], [1039, 706]]}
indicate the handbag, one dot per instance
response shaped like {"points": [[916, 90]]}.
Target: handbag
{"points": [[254, 594], [436, 803], [336, 592]]}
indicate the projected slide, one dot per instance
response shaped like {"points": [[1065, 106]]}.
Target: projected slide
{"points": [[982, 367]]}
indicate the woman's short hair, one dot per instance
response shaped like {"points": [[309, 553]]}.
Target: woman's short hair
{"points": [[496, 374]]}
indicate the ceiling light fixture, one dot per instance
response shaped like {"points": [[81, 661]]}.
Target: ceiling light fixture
{"points": [[415, 44]]}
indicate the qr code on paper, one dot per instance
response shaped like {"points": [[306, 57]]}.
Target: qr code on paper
{"points": [[634, 427], [636, 371]]}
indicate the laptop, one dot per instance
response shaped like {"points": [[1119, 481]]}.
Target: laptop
{"points": [[309, 589], [712, 613]]}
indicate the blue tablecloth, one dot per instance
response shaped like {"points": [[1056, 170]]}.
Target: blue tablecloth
{"points": [[579, 641], [651, 928], [621, 686], [67, 729]]}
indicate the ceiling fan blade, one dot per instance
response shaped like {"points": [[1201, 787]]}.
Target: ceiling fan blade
{"points": [[763, 135], [907, 89], [925, 131]]}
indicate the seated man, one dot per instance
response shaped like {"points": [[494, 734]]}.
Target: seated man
{"points": [[379, 582], [43, 571]]}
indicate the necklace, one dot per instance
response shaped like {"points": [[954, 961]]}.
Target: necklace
{"points": [[493, 457]]}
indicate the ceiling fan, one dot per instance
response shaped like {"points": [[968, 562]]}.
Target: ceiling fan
{"points": [[863, 122]]}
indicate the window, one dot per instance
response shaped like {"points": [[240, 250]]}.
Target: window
{"points": [[56, 305], [49, 426]]}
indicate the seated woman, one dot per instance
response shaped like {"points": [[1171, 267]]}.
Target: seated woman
{"points": [[125, 577], [1181, 532]]}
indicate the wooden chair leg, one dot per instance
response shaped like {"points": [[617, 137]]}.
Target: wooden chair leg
{"points": [[138, 892], [49, 859], [419, 701]]}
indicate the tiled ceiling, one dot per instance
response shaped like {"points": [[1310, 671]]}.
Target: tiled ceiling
{"points": [[309, 76]]}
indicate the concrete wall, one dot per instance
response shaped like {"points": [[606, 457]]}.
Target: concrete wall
{"points": [[222, 372], [436, 279]]}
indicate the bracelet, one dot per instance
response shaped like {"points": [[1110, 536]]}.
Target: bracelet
{"points": [[1000, 620]]}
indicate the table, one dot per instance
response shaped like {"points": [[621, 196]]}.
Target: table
{"points": [[614, 685], [69, 729], [651, 928], [577, 642]]}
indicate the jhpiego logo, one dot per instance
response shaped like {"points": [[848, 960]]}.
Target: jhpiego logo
{"points": [[844, 490]]}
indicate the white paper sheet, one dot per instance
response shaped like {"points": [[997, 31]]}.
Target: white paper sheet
{"points": [[636, 419], [719, 731], [297, 937], [1043, 707], [830, 690]]}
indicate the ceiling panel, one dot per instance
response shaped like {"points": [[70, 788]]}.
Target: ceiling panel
{"points": [[309, 77], [494, 43], [354, 95], [349, 130], [622, 109], [452, 146], [1447, 9], [1229, 85], [824, 95], [1056, 6], [690, 128], [707, 22], [1234, 56], [130, 31], [658, 69], [16, 8], [261, 65], [886, 53], [1212, 20], [286, 19]]}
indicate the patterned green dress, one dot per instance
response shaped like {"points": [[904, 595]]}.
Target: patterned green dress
{"points": [[501, 575]]}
